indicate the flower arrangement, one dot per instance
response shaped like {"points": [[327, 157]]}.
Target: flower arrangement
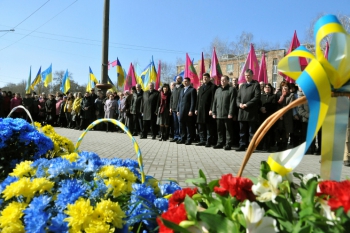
{"points": [[64, 191], [270, 203]]}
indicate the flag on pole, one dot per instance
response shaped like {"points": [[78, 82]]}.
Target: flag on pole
{"points": [[29, 81], [153, 72], [130, 80], [263, 71], [158, 84], [113, 88], [190, 72], [36, 80], [302, 60], [250, 63], [326, 50], [138, 75], [46, 76], [215, 69], [148, 75], [91, 81], [65, 86], [120, 74], [202, 68], [182, 73]]}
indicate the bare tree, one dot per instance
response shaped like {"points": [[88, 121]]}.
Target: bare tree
{"points": [[222, 47], [168, 71]]}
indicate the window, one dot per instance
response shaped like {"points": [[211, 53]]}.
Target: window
{"points": [[229, 68], [274, 72]]}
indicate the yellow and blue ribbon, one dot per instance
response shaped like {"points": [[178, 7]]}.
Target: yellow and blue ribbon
{"points": [[317, 81], [126, 130]]}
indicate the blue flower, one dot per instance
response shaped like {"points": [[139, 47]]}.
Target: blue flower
{"points": [[58, 224], [36, 211], [1, 202], [41, 166], [6, 182], [60, 166], [99, 189], [69, 192], [161, 204], [168, 188], [115, 161], [130, 163], [89, 161]]}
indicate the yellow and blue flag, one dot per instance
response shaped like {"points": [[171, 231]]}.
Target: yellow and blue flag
{"points": [[113, 86], [47, 76], [120, 74], [65, 83], [36, 80], [148, 75], [29, 81], [92, 80]]}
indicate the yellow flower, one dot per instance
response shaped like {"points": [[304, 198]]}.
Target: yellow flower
{"points": [[23, 169], [79, 215], [41, 185], [10, 219], [108, 171], [37, 125], [110, 212], [72, 157], [99, 228], [116, 185]]}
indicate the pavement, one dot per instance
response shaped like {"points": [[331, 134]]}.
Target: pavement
{"points": [[168, 160]]}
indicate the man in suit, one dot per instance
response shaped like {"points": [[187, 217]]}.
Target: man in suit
{"points": [[205, 121], [248, 102], [174, 99], [185, 110], [136, 110], [148, 106]]}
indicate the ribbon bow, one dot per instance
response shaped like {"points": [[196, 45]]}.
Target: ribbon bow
{"points": [[318, 80]]}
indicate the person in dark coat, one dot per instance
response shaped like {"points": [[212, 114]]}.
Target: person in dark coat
{"points": [[50, 108], [174, 99], [205, 120], [149, 108], [223, 110], [86, 111], [185, 110], [163, 112], [268, 107], [248, 102], [136, 110], [28, 104]]}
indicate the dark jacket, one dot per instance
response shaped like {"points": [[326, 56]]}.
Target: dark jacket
{"points": [[149, 104], [136, 102], [186, 102], [303, 110], [28, 103], [50, 107], [249, 94], [224, 102], [174, 99], [269, 102], [204, 102], [86, 103]]}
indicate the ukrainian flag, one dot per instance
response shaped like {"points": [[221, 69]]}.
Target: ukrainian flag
{"points": [[47, 76], [120, 74], [36, 80], [65, 83], [113, 87], [92, 80]]}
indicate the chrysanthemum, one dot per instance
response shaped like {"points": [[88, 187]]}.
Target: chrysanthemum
{"points": [[58, 224], [36, 210], [61, 166], [116, 185], [23, 169], [79, 214], [109, 212], [10, 218], [72, 157], [9, 180], [69, 192], [89, 161]]}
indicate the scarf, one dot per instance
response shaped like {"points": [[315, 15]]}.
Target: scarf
{"points": [[163, 101]]}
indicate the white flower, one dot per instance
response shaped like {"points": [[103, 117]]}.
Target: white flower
{"points": [[267, 190], [255, 220], [309, 177]]}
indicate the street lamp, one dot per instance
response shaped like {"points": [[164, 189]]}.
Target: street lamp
{"points": [[10, 30]]}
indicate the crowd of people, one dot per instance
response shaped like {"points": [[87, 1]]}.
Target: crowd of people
{"points": [[214, 116]]}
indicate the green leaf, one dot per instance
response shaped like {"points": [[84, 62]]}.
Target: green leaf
{"points": [[264, 169], [201, 175], [219, 223], [196, 181], [212, 184], [173, 226], [191, 208]]}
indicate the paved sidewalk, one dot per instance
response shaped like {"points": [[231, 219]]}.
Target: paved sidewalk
{"points": [[165, 160]]}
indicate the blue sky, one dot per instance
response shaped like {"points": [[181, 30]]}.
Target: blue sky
{"points": [[68, 33]]}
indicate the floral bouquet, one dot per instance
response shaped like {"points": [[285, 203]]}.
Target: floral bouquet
{"points": [[64, 191], [270, 203]]}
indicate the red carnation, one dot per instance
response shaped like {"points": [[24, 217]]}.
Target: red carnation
{"points": [[175, 215], [179, 196], [337, 192], [238, 187]]}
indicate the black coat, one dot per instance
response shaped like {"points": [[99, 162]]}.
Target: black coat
{"points": [[174, 99], [86, 103], [224, 102], [187, 102], [204, 103], [249, 94], [136, 102], [269, 102], [149, 104]]}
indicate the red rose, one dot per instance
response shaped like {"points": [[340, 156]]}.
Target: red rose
{"points": [[238, 187], [337, 192], [329, 187], [179, 196], [175, 215]]}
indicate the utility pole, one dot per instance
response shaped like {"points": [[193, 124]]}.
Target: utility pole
{"points": [[105, 40]]}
